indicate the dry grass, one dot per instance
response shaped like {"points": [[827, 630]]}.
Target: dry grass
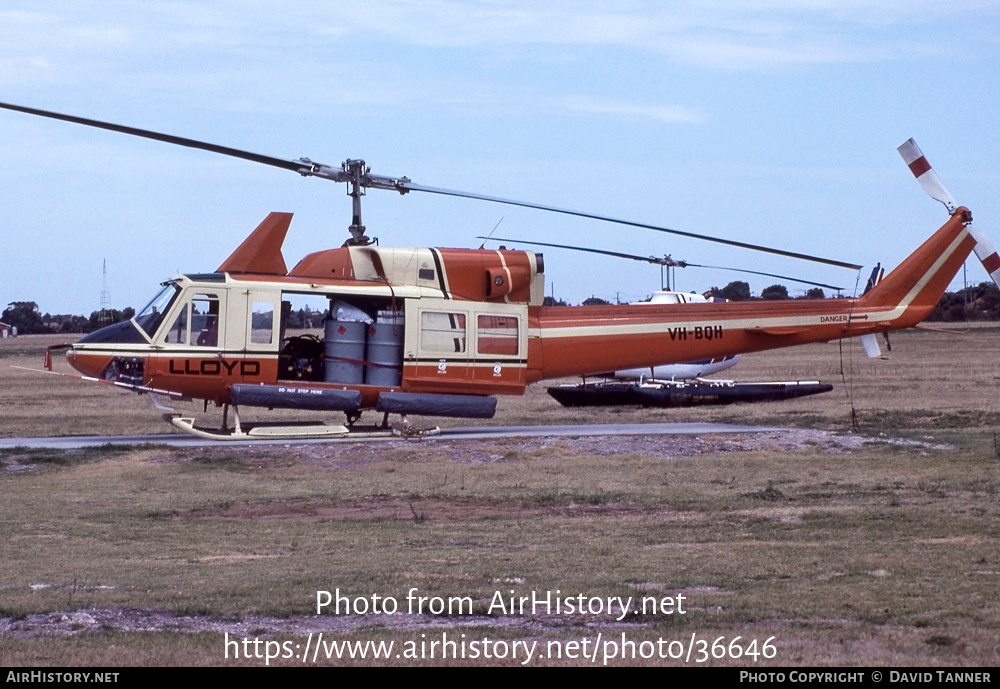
{"points": [[884, 554], [37, 404]]}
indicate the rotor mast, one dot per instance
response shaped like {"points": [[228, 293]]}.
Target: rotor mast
{"points": [[358, 176], [355, 168]]}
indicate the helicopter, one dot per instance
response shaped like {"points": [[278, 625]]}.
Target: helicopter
{"points": [[443, 331]]}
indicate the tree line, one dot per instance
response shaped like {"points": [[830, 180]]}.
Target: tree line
{"points": [[25, 316], [975, 303]]}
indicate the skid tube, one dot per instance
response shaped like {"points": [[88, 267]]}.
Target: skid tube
{"points": [[297, 430]]}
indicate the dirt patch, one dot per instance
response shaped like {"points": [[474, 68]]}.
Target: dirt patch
{"points": [[116, 619], [400, 508], [343, 455]]}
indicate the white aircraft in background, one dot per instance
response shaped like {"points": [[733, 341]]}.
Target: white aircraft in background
{"points": [[692, 370]]}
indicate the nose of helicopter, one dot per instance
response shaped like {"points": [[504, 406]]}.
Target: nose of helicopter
{"points": [[124, 332], [88, 363], [83, 357]]}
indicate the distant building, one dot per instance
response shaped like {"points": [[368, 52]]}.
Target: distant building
{"points": [[7, 330]]}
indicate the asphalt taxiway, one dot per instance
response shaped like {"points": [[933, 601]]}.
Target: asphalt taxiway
{"points": [[455, 433]]}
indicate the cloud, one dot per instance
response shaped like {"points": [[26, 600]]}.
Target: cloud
{"points": [[69, 42], [721, 34], [674, 114]]}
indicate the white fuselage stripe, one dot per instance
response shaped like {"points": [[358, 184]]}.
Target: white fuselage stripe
{"points": [[807, 320]]}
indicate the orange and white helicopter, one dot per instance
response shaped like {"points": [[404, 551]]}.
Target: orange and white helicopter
{"points": [[440, 332]]}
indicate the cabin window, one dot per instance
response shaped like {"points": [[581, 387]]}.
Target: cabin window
{"points": [[442, 332], [496, 335], [262, 322]]}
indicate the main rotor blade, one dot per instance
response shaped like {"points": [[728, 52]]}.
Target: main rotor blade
{"points": [[665, 261], [409, 186], [770, 275], [166, 138], [350, 171]]}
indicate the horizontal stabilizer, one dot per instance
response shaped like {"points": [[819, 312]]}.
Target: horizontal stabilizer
{"points": [[870, 343]]}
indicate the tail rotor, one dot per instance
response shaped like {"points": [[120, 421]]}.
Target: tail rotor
{"points": [[932, 185]]}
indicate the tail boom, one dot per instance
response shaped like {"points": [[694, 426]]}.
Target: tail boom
{"points": [[583, 340]]}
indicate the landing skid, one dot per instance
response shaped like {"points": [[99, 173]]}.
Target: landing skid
{"points": [[296, 431], [259, 432]]}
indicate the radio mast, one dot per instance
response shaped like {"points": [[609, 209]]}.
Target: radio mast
{"points": [[104, 316]]}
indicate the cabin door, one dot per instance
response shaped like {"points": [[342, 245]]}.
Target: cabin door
{"points": [[500, 347], [262, 336], [437, 348]]}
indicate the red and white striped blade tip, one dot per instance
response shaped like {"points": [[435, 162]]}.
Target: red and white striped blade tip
{"points": [[986, 254], [928, 179]]}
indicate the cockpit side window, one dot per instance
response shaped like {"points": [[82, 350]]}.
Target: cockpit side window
{"points": [[151, 316], [197, 323], [205, 320], [177, 333]]}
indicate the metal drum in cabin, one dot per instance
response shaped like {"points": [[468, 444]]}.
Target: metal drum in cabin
{"points": [[384, 364], [344, 352]]}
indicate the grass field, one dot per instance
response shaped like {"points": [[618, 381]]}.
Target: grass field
{"points": [[867, 535]]}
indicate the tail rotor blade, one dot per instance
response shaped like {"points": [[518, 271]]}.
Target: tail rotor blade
{"points": [[926, 177], [987, 255]]}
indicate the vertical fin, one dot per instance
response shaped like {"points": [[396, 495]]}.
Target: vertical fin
{"points": [[261, 251], [919, 281]]}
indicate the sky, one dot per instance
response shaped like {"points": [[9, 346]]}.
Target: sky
{"points": [[773, 122]]}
